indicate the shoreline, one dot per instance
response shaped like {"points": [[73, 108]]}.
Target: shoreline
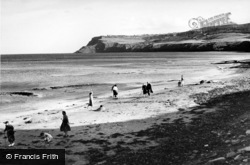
{"points": [[188, 117], [111, 140], [76, 107]]}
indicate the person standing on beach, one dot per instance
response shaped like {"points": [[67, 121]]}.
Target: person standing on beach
{"points": [[144, 89], [10, 133], [115, 91], [149, 88], [182, 81], [65, 124], [91, 99]]}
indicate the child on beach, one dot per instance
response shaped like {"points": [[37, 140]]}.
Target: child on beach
{"points": [[46, 137], [115, 91], [65, 124], [10, 133]]}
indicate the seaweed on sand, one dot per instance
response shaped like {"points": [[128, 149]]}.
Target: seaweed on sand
{"points": [[202, 140]]}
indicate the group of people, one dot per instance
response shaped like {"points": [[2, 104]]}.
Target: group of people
{"points": [[147, 89], [114, 89], [10, 133], [65, 127]]}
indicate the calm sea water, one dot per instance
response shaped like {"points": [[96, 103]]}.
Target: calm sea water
{"points": [[27, 71], [123, 56]]}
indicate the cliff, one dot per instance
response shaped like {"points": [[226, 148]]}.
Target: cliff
{"points": [[220, 38]]}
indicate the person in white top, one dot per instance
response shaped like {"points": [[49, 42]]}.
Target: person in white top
{"points": [[46, 137], [115, 91]]}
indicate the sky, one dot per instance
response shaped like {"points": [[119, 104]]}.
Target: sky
{"points": [[64, 26]]}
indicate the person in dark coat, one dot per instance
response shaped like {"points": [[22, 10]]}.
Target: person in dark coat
{"points": [[91, 100], [10, 133], [149, 88], [144, 89], [65, 124]]}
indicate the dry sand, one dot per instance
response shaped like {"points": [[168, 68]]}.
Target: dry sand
{"points": [[126, 125]]}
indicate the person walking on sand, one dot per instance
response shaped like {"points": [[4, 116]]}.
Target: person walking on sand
{"points": [[10, 133], [91, 99], [115, 91], [149, 88], [144, 89], [65, 124]]}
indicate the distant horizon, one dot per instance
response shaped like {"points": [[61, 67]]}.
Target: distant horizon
{"points": [[61, 26]]}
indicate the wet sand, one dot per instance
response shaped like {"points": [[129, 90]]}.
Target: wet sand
{"points": [[128, 124]]}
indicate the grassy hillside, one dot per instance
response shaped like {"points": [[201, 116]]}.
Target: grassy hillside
{"points": [[228, 37]]}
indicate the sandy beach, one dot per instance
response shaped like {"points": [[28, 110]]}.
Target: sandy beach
{"points": [[193, 124]]}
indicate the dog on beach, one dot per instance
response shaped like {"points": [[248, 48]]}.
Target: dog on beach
{"points": [[101, 108]]}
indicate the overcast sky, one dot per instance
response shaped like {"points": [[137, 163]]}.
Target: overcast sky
{"points": [[63, 26]]}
